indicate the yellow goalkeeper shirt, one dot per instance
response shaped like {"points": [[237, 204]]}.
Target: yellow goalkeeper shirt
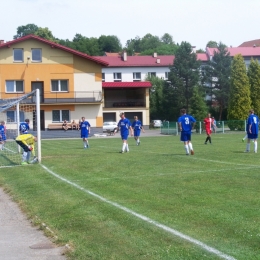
{"points": [[27, 139]]}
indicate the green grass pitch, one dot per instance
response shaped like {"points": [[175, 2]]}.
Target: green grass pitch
{"points": [[212, 197]]}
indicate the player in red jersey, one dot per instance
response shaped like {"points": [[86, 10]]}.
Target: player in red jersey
{"points": [[208, 125]]}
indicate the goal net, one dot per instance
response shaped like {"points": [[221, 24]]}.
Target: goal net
{"points": [[13, 112]]}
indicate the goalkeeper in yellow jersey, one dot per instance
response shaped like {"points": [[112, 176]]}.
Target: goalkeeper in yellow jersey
{"points": [[26, 141]]}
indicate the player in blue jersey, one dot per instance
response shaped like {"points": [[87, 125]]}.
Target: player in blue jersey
{"points": [[137, 126], [252, 130], [85, 131], [124, 125], [186, 124], [2, 135], [24, 127]]}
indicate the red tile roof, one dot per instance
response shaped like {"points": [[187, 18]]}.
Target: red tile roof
{"points": [[136, 84], [250, 43], [138, 61], [202, 56], [112, 54], [53, 45], [244, 51]]}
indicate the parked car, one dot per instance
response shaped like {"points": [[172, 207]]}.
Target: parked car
{"points": [[156, 123], [109, 127]]}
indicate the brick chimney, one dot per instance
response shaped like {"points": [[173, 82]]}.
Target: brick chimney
{"points": [[155, 55], [158, 61], [2, 42], [124, 56]]}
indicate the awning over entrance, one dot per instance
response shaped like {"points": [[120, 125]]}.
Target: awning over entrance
{"points": [[136, 84]]}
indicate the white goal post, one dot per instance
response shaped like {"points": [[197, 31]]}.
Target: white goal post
{"points": [[14, 111]]}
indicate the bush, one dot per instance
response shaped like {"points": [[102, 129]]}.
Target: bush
{"points": [[236, 125]]}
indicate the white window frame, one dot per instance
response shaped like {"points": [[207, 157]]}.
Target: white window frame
{"points": [[117, 76], [166, 75], [61, 116], [11, 114], [103, 77], [14, 86], [59, 85], [18, 60], [136, 76], [36, 59], [152, 74]]}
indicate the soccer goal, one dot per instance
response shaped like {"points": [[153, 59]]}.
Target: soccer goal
{"points": [[14, 111]]}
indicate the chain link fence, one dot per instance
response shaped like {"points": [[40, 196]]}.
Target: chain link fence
{"points": [[171, 128]]}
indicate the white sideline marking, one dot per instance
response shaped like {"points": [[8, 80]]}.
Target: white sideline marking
{"points": [[157, 224], [5, 148]]}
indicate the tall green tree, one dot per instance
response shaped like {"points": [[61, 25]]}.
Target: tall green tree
{"points": [[184, 75], [217, 78], [24, 30], [254, 81], [199, 107], [156, 97], [239, 99], [212, 44], [45, 33], [109, 43]]}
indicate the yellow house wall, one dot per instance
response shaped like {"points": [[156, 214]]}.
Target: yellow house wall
{"points": [[82, 74], [92, 113]]}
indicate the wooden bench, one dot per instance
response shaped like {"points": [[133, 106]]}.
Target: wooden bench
{"points": [[57, 126]]}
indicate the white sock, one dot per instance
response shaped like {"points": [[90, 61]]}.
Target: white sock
{"points": [[245, 137], [138, 140], [124, 146], [248, 146], [85, 143], [190, 146], [127, 147], [255, 146], [28, 156], [186, 147], [24, 156]]}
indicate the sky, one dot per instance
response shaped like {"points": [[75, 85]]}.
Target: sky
{"points": [[231, 22]]}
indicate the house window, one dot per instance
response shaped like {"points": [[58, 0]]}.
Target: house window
{"points": [[36, 55], [13, 86], [59, 85], [11, 116], [60, 115], [117, 76], [152, 74], [166, 75], [18, 55], [103, 76], [137, 76]]}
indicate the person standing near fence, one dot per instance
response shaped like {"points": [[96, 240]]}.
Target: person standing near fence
{"points": [[137, 126], [252, 130], [214, 125], [208, 124], [186, 124]]}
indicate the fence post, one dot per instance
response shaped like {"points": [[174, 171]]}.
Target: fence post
{"points": [[176, 128], [245, 125], [200, 128], [223, 131]]}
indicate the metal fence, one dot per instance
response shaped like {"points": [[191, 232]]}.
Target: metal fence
{"points": [[171, 128]]}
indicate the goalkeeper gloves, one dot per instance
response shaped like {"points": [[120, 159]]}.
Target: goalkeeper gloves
{"points": [[30, 148]]}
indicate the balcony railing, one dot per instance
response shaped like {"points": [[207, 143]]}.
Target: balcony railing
{"points": [[63, 97], [124, 103]]}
